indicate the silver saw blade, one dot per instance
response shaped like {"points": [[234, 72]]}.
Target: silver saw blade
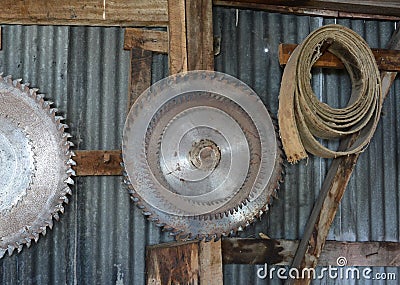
{"points": [[201, 155], [35, 165]]}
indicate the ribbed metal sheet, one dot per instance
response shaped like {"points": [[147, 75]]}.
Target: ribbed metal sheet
{"points": [[102, 236]]}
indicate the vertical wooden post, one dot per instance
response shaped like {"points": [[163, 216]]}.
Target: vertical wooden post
{"points": [[199, 31], [211, 263], [177, 49], [140, 73], [190, 32]]}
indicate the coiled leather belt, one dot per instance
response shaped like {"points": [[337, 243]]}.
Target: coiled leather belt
{"points": [[303, 118]]}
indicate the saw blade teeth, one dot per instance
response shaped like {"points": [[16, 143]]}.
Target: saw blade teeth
{"points": [[2, 252], [69, 143], [67, 190], [71, 172], [64, 199], [20, 247], [153, 219], [69, 181], [56, 216], [43, 231], [175, 232], [28, 242], [71, 162], [52, 111], [58, 208], [49, 223], [35, 236], [10, 249]]}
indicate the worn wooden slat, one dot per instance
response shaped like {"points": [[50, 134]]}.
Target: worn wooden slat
{"points": [[87, 12], [388, 60], [97, 162], [281, 252], [151, 40], [140, 73], [199, 31], [331, 193], [177, 50], [370, 9], [173, 263], [210, 258]]}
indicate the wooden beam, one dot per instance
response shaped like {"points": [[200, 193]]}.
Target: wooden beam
{"points": [[177, 49], [151, 40], [173, 263], [369, 9], [281, 252], [211, 263], [388, 60], [199, 32], [184, 263], [331, 194], [140, 73], [87, 12], [97, 162]]}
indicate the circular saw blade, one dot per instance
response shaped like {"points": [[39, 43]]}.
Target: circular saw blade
{"points": [[201, 154], [35, 165]]}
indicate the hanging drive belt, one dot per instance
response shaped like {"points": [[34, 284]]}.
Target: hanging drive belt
{"points": [[303, 118]]}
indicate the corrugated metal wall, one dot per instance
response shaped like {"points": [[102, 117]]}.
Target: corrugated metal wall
{"points": [[101, 238]]}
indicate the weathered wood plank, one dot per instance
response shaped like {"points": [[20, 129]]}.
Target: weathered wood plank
{"points": [[97, 162], [140, 73], [177, 50], [388, 60], [210, 257], [151, 40], [173, 263], [382, 10], [88, 12], [281, 252], [331, 194], [199, 32]]}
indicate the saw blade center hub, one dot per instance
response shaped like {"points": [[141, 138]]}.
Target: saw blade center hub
{"points": [[205, 155]]}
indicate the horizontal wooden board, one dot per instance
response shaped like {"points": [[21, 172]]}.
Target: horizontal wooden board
{"points": [[369, 9], [98, 162], [388, 60], [281, 252], [88, 12], [151, 40]]}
